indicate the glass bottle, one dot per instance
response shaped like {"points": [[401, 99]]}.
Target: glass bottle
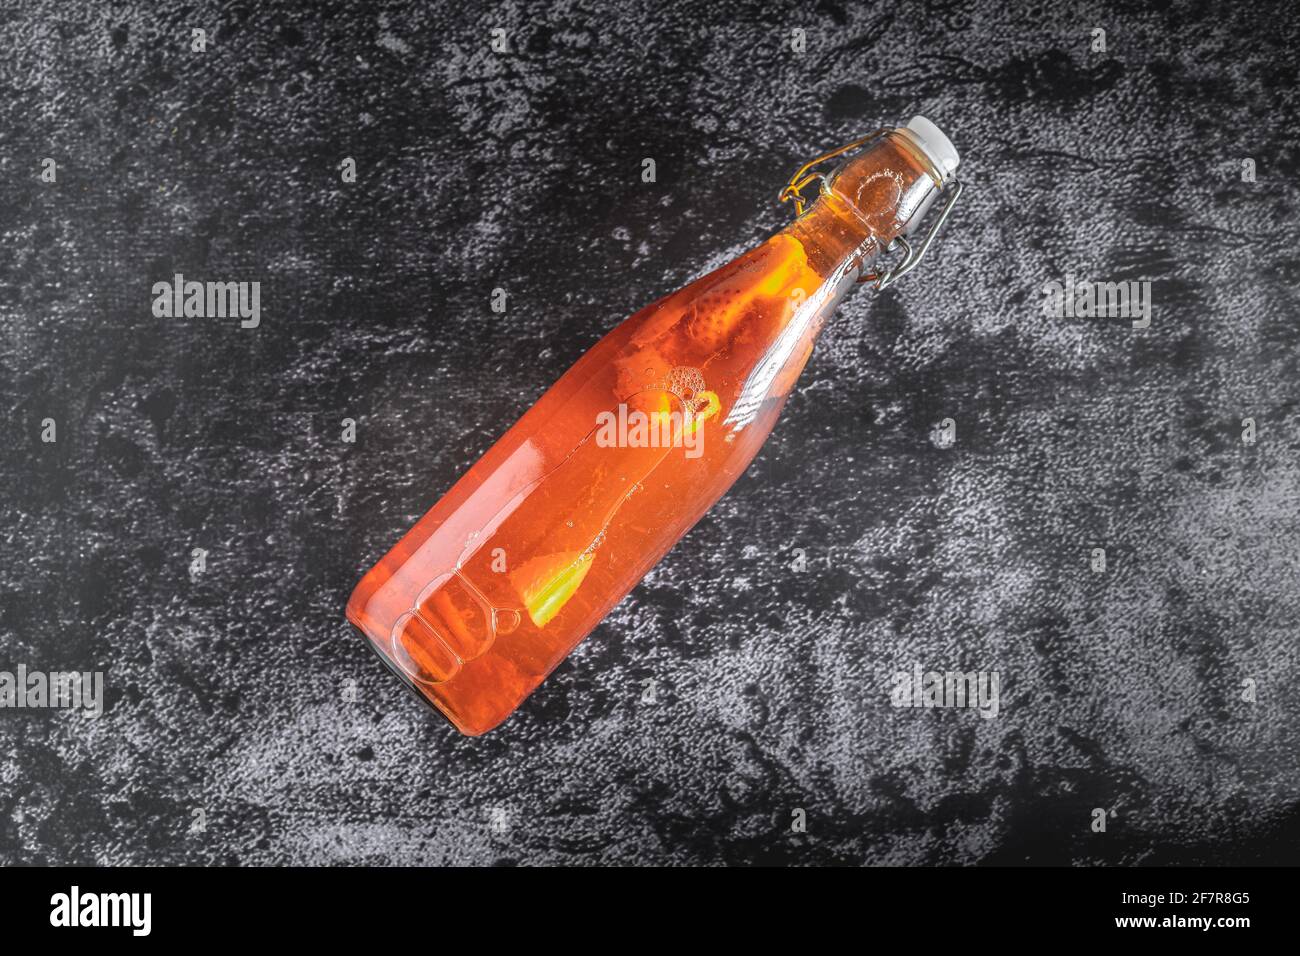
{"points": [[571, 507]]}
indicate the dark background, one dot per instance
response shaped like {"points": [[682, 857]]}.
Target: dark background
{"points": [[228, 689]]}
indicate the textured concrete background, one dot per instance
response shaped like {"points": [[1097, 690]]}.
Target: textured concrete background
{"points": [[1121, 690]]}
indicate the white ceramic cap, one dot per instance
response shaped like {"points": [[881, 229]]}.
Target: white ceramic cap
{"points": [[936, 145]]}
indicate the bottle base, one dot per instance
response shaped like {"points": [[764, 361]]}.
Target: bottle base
{"points": [[469, 730]]}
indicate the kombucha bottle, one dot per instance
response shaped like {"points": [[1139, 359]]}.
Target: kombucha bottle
{"points": [[561, 518]]}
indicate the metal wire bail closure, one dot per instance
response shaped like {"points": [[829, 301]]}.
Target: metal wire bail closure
{"points": [[912, 255], [794, 188]]}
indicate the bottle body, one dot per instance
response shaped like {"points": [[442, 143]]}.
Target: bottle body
{"points": [[562, 517]]}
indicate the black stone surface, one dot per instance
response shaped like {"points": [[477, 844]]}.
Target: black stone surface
{"points": [[228, 689]]}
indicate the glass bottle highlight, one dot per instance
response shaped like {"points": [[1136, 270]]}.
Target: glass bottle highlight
{"points": [[571, 507]]}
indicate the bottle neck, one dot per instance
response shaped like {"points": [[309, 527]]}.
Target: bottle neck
{"points": [[878, 195], [882, 193]]}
